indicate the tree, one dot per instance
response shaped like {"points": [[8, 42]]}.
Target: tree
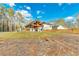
{"points": [[20, 19], [20, 16], [11, 24], [61, 22], [11, 12], [7, 21], [2, 15], [77, 20]]}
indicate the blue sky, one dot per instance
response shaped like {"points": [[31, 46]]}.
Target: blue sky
{"points": [[47, 11]]}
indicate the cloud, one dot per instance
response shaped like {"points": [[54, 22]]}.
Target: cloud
{"points": [[29, 8], [27, 16], [39, 16], [69, 18], [38, 12], [11, 4], [25, 13], [28, 19]]}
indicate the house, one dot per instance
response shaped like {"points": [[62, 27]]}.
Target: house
{"points": [[41, 26], [35, 26], [61, 27], [50, 26], [47, 26]]}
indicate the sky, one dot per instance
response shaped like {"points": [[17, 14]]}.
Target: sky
{"points": [[46, 11]]}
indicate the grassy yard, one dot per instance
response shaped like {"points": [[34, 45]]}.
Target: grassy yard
{"points": [[34, 35], [27, 35], [39, 43]]}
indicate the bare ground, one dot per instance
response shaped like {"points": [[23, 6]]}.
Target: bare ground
{"points": [[62, 45]]}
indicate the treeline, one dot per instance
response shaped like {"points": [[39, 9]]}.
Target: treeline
{"points": [[10, 20], [69, 23]]}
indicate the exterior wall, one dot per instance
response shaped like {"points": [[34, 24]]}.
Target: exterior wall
{"points": [[40, 29], [61, 27], [47, 27], [34, 30], [31, 30]]}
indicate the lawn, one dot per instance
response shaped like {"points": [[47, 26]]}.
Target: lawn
{"points": [[27, 35], [34, 35], [39, 43]]}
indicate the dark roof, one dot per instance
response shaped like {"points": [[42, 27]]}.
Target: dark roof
{"points": [[31, 23]]}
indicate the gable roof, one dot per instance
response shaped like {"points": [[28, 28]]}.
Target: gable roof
{"points": [[34, 23]]}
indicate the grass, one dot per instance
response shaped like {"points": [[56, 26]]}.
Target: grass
{"points": [[31, 35], [61, 43], [27, 35]]}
